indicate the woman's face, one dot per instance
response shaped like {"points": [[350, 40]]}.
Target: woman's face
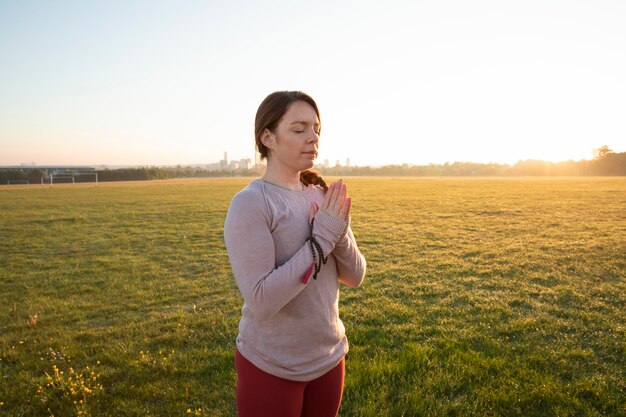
{"points": [[293, 144]]}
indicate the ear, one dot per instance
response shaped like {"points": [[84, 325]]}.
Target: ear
{"points": [[268, 139]]}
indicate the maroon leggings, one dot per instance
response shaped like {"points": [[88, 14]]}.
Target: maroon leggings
{"points": [[260, 394]]}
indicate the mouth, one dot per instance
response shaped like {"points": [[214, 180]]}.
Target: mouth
{"points": [[311, 153]]}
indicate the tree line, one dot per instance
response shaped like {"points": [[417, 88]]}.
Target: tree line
{"points": [[606, 163], [34, 176]]}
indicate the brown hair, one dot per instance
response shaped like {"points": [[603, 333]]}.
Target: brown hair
{"points": [[268, 115]]}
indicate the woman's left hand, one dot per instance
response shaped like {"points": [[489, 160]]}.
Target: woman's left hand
{"points": [[336, 201]]}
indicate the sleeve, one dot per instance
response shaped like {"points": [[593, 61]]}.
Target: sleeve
{"points": [[265, 287], [327, 230], [351, 263]]}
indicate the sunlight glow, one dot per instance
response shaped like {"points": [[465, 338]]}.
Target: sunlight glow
{"points": [[398, 82]]}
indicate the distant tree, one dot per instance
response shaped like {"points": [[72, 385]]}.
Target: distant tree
{"points": [[610, 163], [530, 167], [602, 152]]}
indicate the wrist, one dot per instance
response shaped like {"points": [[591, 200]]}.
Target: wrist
{"points": [[331, 224]]}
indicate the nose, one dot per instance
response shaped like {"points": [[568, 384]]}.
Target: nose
{"points": [[313, 138]]}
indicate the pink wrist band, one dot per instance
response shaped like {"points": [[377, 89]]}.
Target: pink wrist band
{"points": [[307, 274]]}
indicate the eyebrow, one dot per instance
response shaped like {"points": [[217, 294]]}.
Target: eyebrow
{"points": [[304, 123]]}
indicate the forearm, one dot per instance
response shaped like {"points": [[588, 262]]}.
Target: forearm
{"points": [[351, 264], [267, 292]]}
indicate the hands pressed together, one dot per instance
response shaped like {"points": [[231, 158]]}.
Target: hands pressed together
{"points": [[336, 201]]}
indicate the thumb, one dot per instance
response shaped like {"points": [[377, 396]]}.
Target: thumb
{"points": [[313, 211]]}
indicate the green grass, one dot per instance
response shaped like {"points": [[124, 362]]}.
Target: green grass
{"points": [[484, 297]]}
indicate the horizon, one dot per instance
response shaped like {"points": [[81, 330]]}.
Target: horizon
{"points": [[318, 164], [396, 83]]}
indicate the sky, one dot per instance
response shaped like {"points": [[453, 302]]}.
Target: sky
{"points": [[140, 82]]}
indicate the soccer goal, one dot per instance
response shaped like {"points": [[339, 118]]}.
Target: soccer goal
{"points": [[90, 173], [72, 176], [61, 177]]}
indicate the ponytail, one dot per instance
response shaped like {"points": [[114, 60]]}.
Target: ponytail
{"points": [[313, 178]]}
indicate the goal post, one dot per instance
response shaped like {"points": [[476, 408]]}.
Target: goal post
{"points": [[17, 182], [72, 175], [90, 173], [58, 177]]}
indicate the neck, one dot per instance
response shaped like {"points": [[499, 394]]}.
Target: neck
{"points": [[282, 176]]}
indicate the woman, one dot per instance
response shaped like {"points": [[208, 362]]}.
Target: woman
{"points": [[289, 243]]}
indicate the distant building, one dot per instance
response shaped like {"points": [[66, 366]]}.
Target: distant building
{"points": [[245, 164], [347, 162], [326, 163], [337, 163], [225, 164], [214, 166]]}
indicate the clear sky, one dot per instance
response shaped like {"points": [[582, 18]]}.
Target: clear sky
{"points": [[177, 82]]}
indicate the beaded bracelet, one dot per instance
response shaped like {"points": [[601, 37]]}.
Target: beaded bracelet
{"points": [[316, 250]]}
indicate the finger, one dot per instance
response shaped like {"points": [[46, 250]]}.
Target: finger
{"points": [[328, 197], [345, 195], [333, 197], [345, 210], [341, 196]]}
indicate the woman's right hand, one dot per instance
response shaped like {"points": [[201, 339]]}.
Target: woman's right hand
{"points": [[336, 201]]}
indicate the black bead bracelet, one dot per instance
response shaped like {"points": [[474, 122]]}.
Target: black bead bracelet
{"points": [[316, 250]]}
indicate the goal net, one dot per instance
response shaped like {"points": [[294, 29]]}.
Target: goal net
{"points": [[17, 182]]}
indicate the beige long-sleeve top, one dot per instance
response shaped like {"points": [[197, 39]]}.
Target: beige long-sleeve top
{"points": [[289, 326]]}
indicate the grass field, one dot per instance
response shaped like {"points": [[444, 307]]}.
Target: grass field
{"points": [[484, 297]]}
